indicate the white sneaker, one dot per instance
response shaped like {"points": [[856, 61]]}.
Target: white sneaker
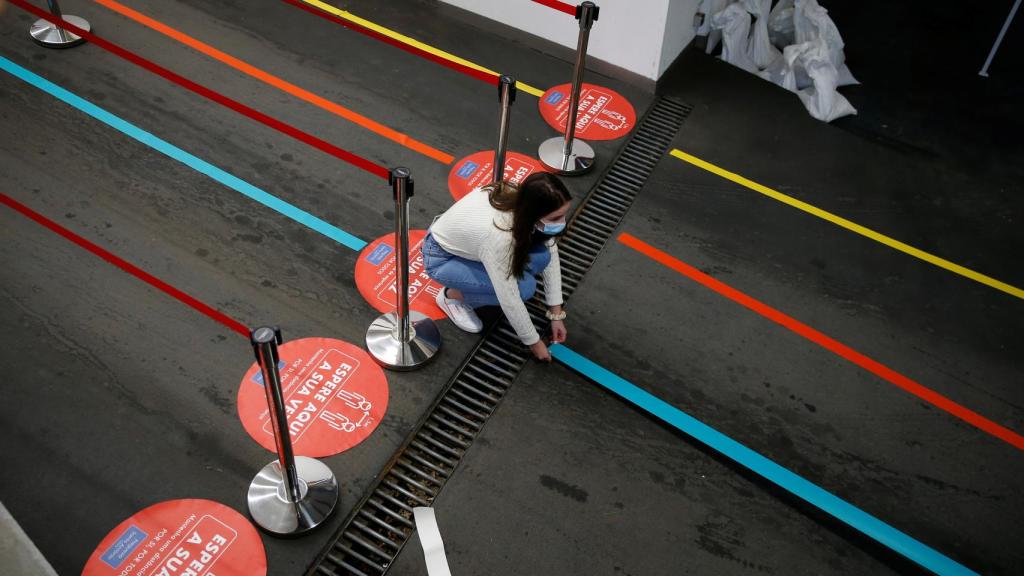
{"points": [[461, 315]]}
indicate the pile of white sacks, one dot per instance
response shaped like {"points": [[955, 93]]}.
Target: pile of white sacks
{"points": [[811, 62]]}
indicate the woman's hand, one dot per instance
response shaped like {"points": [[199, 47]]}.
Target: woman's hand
{"points": [[558, 331], [540, 351]]}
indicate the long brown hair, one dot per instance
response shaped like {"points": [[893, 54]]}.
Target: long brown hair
{"points": [[539, 195]]}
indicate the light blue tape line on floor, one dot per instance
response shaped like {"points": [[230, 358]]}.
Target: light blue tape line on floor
{"points": [[229, 180], [811, 493]]}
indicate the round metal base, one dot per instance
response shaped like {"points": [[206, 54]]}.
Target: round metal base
{"points": [[385, 346], [52, 36], [579, 161], [272, 511]]}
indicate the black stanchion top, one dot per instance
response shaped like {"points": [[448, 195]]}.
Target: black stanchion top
{"points": [[506, 82], [587, 13], [264, 335], [401, 173]]}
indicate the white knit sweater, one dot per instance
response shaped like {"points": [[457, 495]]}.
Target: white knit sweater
{"points": [[475, 230]]}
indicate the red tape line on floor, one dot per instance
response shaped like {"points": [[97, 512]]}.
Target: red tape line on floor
{"points": [[126, 266], [324, 146], [472, 72], [560, 6], [877, 368]]}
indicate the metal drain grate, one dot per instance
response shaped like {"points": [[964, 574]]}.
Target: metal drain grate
{"points": [[606, 205], [379, 526]]}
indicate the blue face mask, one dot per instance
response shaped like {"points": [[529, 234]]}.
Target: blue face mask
{"points": [[551, 228]]}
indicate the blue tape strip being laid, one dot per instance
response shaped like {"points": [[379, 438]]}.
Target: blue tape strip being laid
{"points": [[797, 485], [229, 180]]}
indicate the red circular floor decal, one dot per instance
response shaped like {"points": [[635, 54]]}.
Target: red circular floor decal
{"points": [[334, 394], [477, 169], [375, 276], [604, 114], [181, 537]]}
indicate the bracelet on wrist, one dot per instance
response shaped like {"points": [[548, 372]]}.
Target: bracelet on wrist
{"points": [[555, 316]]}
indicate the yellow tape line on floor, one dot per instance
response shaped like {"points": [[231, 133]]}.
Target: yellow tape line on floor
{"points": [[413, 42], [851, 226]]}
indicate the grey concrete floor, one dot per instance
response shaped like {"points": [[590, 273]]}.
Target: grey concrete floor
{"points": [[140, 390], [17, 552], [565, 482], [120, 397]]}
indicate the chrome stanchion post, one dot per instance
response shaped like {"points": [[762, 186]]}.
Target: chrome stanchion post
{"points": [[292, 494], [506, 95], [568, 155], [404, 339], [50, 35]]}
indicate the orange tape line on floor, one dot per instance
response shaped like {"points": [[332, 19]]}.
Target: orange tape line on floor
{"points": [[279, 83], [877, 368]]}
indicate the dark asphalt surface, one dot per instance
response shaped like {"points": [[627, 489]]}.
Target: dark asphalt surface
{"points": [[118, 397]]}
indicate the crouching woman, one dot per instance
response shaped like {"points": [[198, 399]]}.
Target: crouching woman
{"points": [[487, 249]]}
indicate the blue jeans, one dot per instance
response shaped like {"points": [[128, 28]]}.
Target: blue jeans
{"points": [[470, 277]]}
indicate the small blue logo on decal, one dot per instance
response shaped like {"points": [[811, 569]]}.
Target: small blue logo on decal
{"points": [[258, 377], [554, 98], [379, 254], [123, 547], [467, 169]]}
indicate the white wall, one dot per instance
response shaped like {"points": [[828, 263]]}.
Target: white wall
{"points": [[679, 31], [642, 36]]}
